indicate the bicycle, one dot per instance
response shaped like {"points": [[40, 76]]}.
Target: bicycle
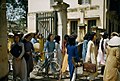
{"points": [[49, 60]]}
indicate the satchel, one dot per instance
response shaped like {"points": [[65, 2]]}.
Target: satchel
{"points": [[89, 67]]}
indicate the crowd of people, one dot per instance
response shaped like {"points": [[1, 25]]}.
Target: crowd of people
{"points": [[105, 54]]}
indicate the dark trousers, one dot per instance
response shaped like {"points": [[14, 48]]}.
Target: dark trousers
{"points": [[102, 69]]}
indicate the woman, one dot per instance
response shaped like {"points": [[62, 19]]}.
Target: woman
{"points": [[112, 67], [49, 48], [19, 63], [73, 57], [41, 41], [58, 50], [91, 54], [64, 56], [28, 54], [101, 57], [34, 39], [84, 47]]}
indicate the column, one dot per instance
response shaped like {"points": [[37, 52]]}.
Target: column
{"points": [[68, 28], [3, 41], [61, 8], [81, 28], [32, 22]]}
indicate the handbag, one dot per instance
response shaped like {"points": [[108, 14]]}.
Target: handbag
{"points": [[89, 67]]}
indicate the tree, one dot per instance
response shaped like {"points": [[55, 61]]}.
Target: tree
{"points": [[3, 42], [17, 9]]}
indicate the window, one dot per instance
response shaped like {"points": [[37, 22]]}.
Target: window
{"points": [[91, 23], [84, 2], [74, 25]]}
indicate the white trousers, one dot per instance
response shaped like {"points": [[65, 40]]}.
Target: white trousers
{"points": [[19, 69]]}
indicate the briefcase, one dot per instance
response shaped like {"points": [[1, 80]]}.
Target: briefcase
{"points": [[89, 67]]}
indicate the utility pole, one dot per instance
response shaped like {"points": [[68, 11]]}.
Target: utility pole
{"points": [[3, 42]]}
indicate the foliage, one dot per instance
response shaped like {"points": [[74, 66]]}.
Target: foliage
{"points": [[17, 9], [17, 12]]}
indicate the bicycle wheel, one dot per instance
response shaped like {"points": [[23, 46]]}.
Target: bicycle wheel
{"points": [[56, 66]]}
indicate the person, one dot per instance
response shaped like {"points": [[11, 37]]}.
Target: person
{"points": [[91, 54], [112, 67], [75, 36], [84, 47], [64, 45], [10, 40], [9, 43], [49, 49], [101, 57], [34, 39], [19, 63], [73, 57], [58, 50], [28, 54], [41, 42], [114, 34], [64, 56]]}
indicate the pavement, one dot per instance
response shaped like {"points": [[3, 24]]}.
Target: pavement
{"points": [[39, 77]]}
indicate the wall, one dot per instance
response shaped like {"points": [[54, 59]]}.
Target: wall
{"points": [[74, 11], [38, 5]]}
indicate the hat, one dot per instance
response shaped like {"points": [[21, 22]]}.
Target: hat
{"points": [[114, 41], [102, 33], [10, 34], [26, 35], [114, 34]]}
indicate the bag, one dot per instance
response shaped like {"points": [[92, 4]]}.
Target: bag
{"points": [[89, 67], [16, 50]]}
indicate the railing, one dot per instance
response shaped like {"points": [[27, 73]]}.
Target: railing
{"points": [[46, 23]]}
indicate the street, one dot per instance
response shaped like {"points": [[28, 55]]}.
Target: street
{"points": [[35, 77]]}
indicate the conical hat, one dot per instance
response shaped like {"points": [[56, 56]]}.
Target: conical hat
{"points": [[26, 34], [114, 41], [11, 34]]}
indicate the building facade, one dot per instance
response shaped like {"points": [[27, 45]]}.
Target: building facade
{"points": [[113, 16], [82, 16]]}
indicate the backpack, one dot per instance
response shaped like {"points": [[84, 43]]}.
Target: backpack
{"points": [[16, 50]]}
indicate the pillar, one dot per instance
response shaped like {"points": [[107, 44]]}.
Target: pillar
{"points": [[31, 22], [3, 42], [61, 8], [82, 26]]}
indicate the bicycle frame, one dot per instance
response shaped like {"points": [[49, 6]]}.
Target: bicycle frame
{"points": [[48, 61]]}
